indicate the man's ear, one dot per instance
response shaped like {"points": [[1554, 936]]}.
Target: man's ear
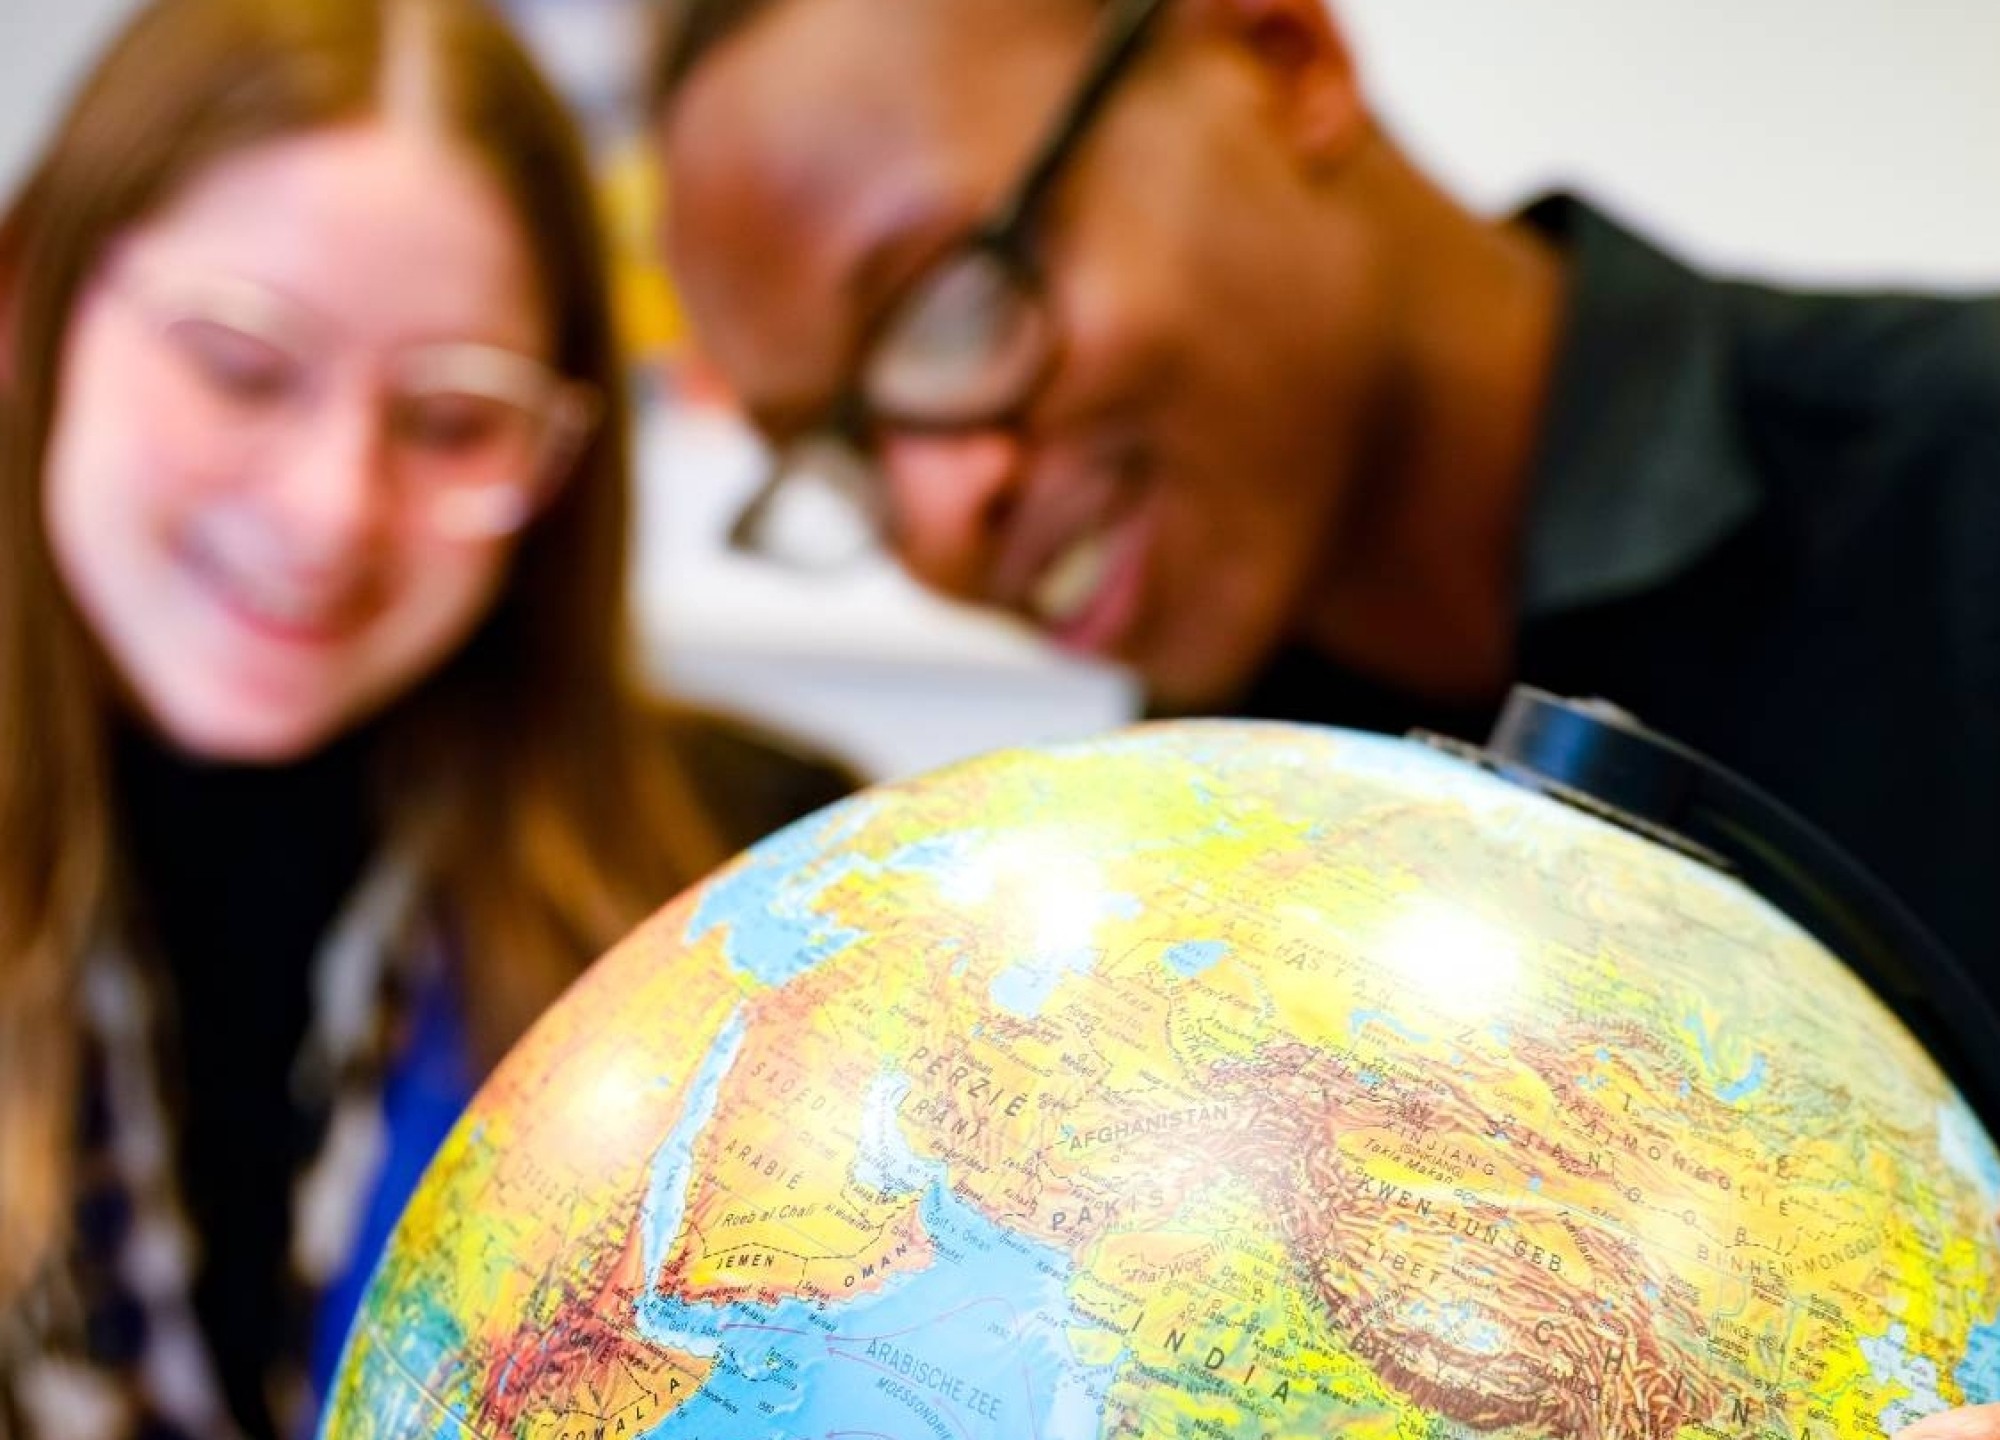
{"points": [[1297, 45]]}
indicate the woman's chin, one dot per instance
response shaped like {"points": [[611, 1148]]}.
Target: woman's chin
{"points": [[236, 732]]}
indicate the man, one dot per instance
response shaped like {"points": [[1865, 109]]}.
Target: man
{"points": [[1140, 328]]}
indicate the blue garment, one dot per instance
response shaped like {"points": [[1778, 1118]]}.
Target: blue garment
{"points": [[422, 1096]]}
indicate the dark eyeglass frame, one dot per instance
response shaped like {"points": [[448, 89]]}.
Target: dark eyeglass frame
{"points": [[1007, 236]]}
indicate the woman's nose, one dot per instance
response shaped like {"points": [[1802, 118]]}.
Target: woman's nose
{"points": [[951, 498], [328, 478]]}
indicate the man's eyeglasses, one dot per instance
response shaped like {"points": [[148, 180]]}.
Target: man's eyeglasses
{"points": [[473, 435], [962, 348]]}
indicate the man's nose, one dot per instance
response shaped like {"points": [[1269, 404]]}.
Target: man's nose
{"points": [[951, 496]]}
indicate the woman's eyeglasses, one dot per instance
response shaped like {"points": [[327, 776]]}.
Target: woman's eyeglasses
{"points": [[473, 435]]}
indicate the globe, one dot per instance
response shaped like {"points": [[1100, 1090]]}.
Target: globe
{"points": [[1208, 1079]]}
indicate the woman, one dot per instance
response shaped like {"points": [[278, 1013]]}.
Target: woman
{"points": [[318, 777]]}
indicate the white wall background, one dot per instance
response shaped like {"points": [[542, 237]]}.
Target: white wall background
{"points": [[1834, 140], [1822, 141], [42, 45]]}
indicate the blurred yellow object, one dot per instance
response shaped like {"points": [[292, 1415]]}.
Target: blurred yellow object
{"points": [[650, 323]]}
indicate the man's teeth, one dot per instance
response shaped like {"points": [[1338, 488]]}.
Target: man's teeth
{"points": [[1070, 582]]}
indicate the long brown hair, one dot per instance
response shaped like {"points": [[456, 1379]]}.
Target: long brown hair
{"points": [[554, 814]]}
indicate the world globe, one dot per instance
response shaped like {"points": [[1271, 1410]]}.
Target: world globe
{"points": [[1211, 1079]]}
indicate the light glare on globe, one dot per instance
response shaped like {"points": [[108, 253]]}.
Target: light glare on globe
{"points": [[1460, 961]]}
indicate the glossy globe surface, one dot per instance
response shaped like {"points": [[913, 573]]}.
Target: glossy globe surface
{"points": [[1210, 1079]]}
